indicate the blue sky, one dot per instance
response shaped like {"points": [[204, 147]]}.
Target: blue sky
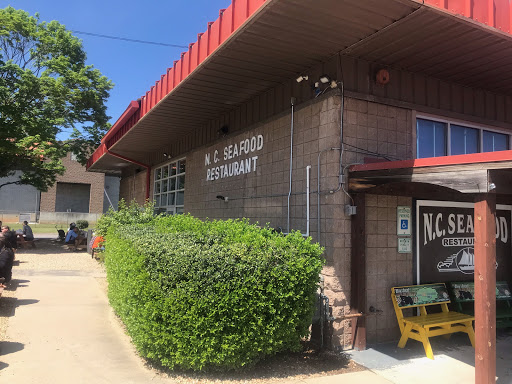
{"points": [[132, 67]]}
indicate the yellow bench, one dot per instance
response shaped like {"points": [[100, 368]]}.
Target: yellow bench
{"points": [[426, 325]]}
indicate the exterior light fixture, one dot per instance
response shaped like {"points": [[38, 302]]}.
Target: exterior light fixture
{"points": [[220, 197], [324, 79], [166, 154], [301, 78]]}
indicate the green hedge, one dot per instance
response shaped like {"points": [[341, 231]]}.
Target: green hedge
{"points": [[211, 295]]}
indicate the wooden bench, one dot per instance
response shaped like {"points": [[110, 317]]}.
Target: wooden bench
{"points": [[426, 325], [463, 298]]}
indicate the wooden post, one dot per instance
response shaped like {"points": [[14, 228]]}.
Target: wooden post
{"points": [[485, 289], [358, 273]]}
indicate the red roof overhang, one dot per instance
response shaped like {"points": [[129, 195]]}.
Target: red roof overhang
{"points": [[255, 45], [473, 173]]}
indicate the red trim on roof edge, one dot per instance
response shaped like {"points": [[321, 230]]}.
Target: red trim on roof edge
{"points": [[216, 33], [129, 111], [474, 158], [493, 13]]}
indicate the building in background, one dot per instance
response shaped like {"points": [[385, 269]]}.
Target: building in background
{"points": [[77, 195], [370, 126]]}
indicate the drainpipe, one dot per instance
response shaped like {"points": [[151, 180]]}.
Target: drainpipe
{"points": [[308, 171], [291, 166], [148, 169]]}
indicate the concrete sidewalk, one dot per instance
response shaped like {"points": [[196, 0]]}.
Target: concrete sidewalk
{"points": [[64, 331]]}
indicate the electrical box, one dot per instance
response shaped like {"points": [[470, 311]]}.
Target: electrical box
{"points": [[350, 210]]}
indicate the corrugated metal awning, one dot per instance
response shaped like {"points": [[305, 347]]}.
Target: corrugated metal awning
{"points": [[256, 45]]}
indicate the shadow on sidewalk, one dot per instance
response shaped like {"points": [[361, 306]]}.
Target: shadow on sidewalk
{"points": [[7, 347]]}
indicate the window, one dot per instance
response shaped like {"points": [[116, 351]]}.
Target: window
{"points": [[431, 138], [442, 138], [464, 140], [169, 188], [495, 142]]}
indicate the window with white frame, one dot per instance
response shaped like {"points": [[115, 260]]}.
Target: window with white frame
{"points": [[436, 138], [169, 188]]}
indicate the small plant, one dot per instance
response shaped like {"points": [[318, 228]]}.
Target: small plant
{"points": [[82, 224]]}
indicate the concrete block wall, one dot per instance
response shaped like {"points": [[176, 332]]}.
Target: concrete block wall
{"points": [[385, 266], [377, 128], [75, 173]]}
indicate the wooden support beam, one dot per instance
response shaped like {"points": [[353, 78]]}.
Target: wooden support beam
{"points": [[485, 288], [358, 273]]}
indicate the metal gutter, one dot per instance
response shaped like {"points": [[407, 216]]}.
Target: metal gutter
{"points": [[148, 168]]}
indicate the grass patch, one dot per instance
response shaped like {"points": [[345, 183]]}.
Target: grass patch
{"points": [[39, 228]]}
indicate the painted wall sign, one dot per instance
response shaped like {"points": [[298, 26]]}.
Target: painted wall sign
{"points": [[234, 159], [403, 217], [404, 245], [445, 241]]}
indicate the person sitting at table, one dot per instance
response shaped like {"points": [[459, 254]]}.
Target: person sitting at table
{"points": [[6, 261], [10, 237], [28, 235], [73, 237]]}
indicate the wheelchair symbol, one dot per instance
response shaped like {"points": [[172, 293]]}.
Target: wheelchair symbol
{"points": [[404, 224]]}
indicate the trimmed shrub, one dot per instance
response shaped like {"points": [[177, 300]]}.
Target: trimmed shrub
{"points": [[82, 224], [211, 295]]}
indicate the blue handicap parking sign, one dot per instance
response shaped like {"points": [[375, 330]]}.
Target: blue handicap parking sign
{"points": [[404, 224]]}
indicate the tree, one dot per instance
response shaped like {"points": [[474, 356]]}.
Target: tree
{"points": [[45, 88]]}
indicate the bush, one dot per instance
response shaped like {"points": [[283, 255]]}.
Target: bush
{"points": [[126, 214], [82, 224], [211, 295]]}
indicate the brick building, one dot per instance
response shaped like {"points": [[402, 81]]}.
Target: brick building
{"points": [[282, 106]]}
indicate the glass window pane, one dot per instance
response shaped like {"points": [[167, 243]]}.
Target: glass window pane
{"points": [[180, 198], [180, 182], [171, 199], [165, 184], [179, 210], [172, 184], [495, 142], [464, 140], [165, 172], [157, 187], [181, 166], [157, 174], [173, 169], [431, 138], [157, 200]]}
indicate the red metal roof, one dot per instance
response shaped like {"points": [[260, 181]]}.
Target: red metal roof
{"points": [[495, 14]]}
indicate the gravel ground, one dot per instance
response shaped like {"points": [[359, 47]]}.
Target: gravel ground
{"points": [[50, 255]]}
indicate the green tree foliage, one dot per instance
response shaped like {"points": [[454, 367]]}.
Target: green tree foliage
{"points": [[45, 87], [213, 295]]}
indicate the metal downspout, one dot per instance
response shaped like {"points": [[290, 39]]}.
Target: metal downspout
{"points": [[291, 167], [148, 169]]}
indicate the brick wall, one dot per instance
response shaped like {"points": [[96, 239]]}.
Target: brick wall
{"points": [[378, 128], [385, 266], [75, 173]]}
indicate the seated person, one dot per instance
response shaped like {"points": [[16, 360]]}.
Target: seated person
{"points": [[28, 235], [6, 261], [10, 237], [73, 237]]}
